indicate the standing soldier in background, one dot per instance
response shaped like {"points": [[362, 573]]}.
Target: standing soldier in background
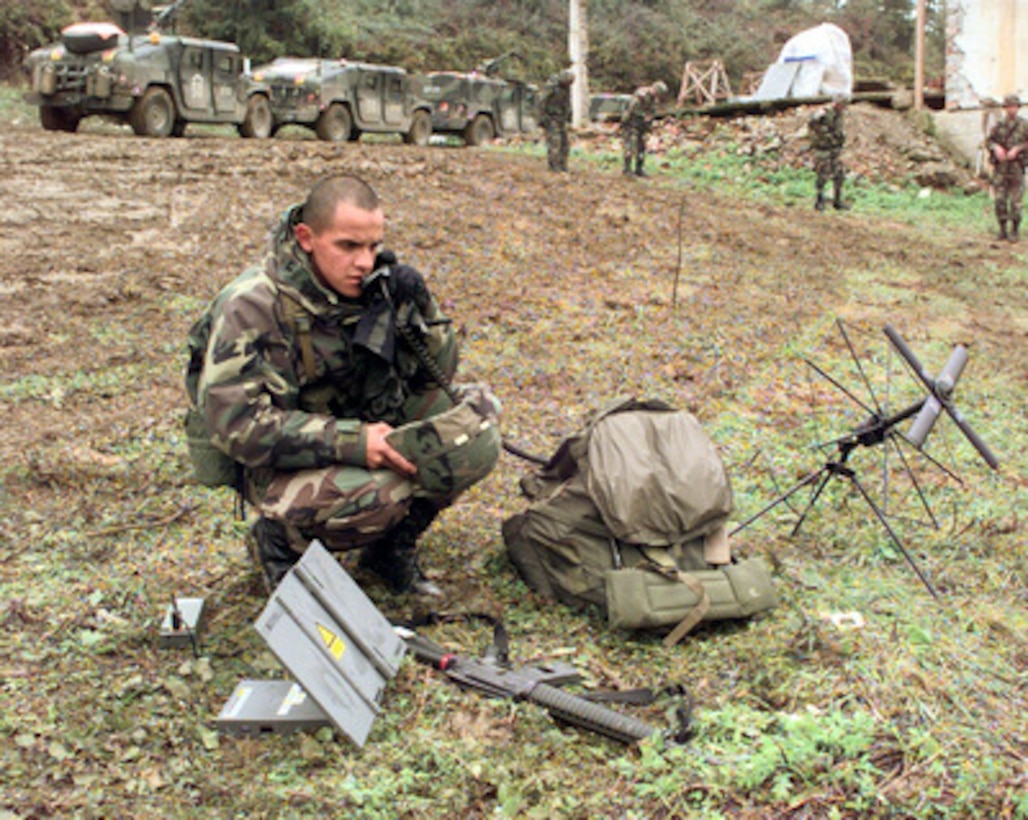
{"points": [[555, 111], [635, 125], [827, 138], [1008, 141]]}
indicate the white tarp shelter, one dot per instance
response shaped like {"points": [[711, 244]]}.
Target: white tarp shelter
{"points": [[816, 62]]}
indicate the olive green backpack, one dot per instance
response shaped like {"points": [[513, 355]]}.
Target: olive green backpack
{"points": [[629, 515]]}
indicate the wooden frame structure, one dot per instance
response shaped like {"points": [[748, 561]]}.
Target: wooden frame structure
{"points": [[704, 83]]}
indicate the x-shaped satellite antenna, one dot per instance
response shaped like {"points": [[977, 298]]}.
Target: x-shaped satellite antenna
{"points": [[879, 427]]}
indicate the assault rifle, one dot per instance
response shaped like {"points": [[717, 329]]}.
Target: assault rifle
{"points": [[538, 684]]}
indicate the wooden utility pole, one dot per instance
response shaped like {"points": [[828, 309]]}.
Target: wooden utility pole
{"points": [[919, 57], [578, 52]]}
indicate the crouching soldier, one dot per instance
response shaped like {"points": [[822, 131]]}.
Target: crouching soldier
{"points": [[321, 376]]}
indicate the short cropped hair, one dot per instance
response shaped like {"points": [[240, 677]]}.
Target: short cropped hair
{"points": [[326, 194]]}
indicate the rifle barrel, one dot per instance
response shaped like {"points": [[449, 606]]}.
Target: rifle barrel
{"points": [[585, 714]]}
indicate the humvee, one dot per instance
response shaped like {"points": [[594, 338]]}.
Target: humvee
{"points": [[342, 99], [157, 83], [479, 108]]}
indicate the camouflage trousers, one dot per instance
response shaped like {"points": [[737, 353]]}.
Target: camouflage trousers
{"points": [[1008, 185], [347, 507], [633, 146], [828, 167], [558, 146]]}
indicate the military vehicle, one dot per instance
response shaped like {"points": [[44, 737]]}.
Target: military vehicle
{"points": [[479, 106], [156, 82], [342, 99]]}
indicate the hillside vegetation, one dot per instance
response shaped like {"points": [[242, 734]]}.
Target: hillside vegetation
{"points": [[631, 43]]}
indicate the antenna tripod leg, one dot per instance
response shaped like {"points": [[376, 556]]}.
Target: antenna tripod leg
{"points": [[895, 538], [810, 479], [826, 473]]}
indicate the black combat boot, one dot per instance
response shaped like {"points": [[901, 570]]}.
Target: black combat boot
{"points": [[269, 548], [1015, 230], [1002, 230], [394, 558], [837, 203], [639, 172], [819, 203]]}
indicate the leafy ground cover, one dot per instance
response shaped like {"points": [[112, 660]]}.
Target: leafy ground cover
{"points": [[703, 285]]}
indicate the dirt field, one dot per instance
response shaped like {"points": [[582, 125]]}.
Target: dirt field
{"points": [[562, 287], [111, 245]]}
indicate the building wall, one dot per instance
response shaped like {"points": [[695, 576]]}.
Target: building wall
{"points": [[986, 51]]}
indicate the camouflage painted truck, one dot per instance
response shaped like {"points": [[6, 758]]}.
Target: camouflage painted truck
{"points": [[478, 107], [157, 83], [342, 99]]}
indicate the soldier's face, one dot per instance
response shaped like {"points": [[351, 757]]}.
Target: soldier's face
{"points": [[1011, 110], [344, 252]]}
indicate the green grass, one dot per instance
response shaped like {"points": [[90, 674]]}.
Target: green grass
{"points": [[13, 108], [765, 178]]}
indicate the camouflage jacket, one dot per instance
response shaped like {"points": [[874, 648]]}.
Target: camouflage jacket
{"points": [[555, 107], [1009, 133], [826, 133], [639, 112], [267, 403]]}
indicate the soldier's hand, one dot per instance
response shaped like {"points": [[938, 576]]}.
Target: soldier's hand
{"points": [[408, 285], [379, 453]]}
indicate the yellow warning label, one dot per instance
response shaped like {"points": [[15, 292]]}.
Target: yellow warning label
{"points": [[333, 642]]}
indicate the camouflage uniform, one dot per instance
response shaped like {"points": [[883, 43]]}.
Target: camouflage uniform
{"points": [[827, 139], [554, 111], [1008, 175], [635, 126], [293, 371]]}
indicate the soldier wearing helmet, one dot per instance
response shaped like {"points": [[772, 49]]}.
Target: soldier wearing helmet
{"points": [[1008, 146], [827, 139], [554, 114], [636, 122]]}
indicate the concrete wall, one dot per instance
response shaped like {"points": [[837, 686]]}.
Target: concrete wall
{"points": [[986, 51], [963, 133]]}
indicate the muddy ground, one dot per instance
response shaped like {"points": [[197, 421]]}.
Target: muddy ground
{"points": [[111, 243]]}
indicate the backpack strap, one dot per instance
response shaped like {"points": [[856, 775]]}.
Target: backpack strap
{"points": [[301, 319], [695, 615], [667, 566]]}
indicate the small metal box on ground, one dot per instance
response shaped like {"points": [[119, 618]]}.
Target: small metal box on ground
{"points": [[258, 707], [183, 623]]}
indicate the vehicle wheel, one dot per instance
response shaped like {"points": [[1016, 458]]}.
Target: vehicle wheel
{"points": [[259, 120], [420, 129], [153, 115], [479, 131], [55, 118], [334, 124]]}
